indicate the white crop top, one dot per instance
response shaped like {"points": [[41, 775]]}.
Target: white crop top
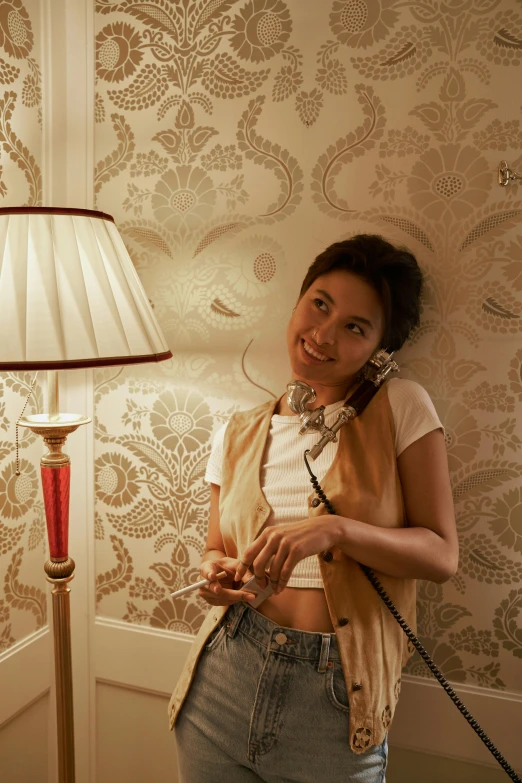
{"points": [[284, 479]]}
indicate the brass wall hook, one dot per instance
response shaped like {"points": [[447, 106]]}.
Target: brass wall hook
{"points": [[505, 174]]}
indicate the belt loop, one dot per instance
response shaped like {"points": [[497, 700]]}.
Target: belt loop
{"points": [[325, 652], [232, 625]]}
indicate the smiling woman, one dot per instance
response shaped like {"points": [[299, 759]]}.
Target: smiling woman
{"points": [[337, 325], [314, 671]]}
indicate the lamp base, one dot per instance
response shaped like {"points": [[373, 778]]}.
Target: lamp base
{"points": [[55, 466]]}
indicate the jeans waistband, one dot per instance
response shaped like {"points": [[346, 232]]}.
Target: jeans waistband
{"points": [[320, 647]]}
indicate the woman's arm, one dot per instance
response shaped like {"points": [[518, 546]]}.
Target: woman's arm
{"points": [[214, 560], [214, 547], [426, 549]]}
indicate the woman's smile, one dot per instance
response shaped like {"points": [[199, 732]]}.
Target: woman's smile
{"points": [[313, 353]]}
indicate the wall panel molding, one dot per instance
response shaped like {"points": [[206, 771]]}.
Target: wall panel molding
{"points": [[142, 658], [150, 660], [427, 721], [32, 656]]}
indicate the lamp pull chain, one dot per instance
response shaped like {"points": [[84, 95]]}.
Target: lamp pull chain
{"points": [[22, 413]]}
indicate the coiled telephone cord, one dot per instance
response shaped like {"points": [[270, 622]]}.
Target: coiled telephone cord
{"points": [[418, 646]]}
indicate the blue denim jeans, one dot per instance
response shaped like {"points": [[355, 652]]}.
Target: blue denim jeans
{"points": [[269, 704]]}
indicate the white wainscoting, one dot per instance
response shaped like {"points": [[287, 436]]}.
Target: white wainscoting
{"points": [[24, 674], [151, 660], [427, 721], [135, 669], [133, 743], [24, 745]]}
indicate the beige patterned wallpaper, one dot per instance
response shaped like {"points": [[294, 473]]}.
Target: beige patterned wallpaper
{"points": [[235, 140], [22, 522]]}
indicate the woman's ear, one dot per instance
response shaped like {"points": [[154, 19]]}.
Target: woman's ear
{"points": [[367, 368]]}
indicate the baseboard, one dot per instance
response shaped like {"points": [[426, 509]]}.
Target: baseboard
{"points": [[428, 722]]}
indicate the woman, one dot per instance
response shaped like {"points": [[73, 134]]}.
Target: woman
{"points": [[304, 687]]}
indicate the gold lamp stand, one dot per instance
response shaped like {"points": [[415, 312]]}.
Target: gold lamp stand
{"points": [[54, 427]]}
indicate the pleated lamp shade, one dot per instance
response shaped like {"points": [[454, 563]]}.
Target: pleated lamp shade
{"points": [[69, 294]]}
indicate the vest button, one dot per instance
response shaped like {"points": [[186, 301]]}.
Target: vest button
{"points": [[343, 621], [356, 686], [315, 502], [327, 557], [260, 508]]}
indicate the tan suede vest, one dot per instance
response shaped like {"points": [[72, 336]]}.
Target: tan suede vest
{"points": [[362, 483]]}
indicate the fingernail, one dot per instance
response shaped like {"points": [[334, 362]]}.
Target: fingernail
{"points": [[237, 576]]}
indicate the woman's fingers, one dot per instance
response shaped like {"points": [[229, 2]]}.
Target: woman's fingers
{"points": [[225, 596], [281, 568], [210, 568], [250, 560], [271, 551], [243, 567], [280, 548], [271, 558]]}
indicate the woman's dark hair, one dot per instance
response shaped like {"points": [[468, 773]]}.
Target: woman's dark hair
{"points": [[392, 271]]}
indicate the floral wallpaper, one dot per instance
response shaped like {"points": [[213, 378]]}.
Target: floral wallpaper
{"points": [[22, 521], [235, 140]]}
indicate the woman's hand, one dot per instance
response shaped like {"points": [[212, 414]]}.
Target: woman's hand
{"points": [[287, 545], [226, 590]]}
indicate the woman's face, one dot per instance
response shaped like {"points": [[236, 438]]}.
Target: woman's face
{"points": [[336, 327]]}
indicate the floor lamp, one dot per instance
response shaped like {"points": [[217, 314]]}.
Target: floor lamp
{"points": [[69, 298]]}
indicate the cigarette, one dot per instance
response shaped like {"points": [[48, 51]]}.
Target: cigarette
{"points": [[197, 585]]}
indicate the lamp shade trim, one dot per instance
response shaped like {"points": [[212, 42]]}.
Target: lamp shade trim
{"points": [[78, 364], [90, 213]]}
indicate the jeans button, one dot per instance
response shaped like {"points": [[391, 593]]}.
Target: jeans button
{"points": [[281, 638]]}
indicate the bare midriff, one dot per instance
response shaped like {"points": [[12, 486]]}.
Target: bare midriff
{"points": [[302, 608]]}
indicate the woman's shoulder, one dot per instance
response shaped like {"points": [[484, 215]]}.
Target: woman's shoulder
{"points": [[405, 390], [253, 415], [413, 411], [243, 416]]}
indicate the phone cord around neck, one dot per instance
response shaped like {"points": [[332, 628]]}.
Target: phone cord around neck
{"points": [[418, 646]]}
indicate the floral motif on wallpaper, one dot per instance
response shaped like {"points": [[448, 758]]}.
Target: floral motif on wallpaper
{"points": [[152, 486], [22, 521], [22, 526], [22, 71], [204, 204]]}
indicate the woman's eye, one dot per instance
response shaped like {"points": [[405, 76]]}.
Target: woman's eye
{"points": [[355, 328], [320, 304]]}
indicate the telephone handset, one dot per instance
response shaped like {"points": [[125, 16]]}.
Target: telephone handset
{"points": [[299, 396]]}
